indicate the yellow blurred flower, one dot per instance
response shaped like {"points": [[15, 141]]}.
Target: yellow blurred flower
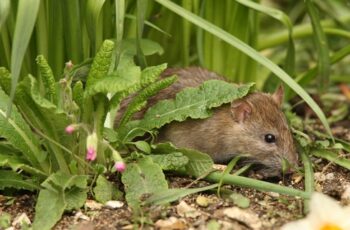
{"points": [[325, 214]]}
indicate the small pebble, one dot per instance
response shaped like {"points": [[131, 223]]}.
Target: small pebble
{"points": [[114, 204], [202, 201]]}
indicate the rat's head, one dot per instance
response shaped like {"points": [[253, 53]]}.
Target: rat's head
{"points": [[265, 135]]}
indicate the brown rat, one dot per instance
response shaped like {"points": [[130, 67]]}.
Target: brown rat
{"points": [[253, 126]]}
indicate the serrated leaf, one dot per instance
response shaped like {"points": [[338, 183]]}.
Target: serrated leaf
{"points": [[11, 179], [47, 78], [101, 63], [170, 161], [115, 82], [170, 195], [104, 190], [151, 74], [140, 178], [193, 103]]}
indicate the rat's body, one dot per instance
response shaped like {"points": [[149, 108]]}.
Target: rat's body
{"points": [[253, 126]]}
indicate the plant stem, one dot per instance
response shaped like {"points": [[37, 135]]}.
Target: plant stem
{"points": [[309, 178]]}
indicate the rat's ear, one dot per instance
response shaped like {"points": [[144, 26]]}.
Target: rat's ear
{"points": [[240, 110], [278, 95]]}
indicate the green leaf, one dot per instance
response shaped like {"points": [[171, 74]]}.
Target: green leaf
{"points": [[101, 63], [62, 192], [65, 181], [128, 51], [143, 146], [5, 80], [11, 179], [199, 163], [48, 210], [78, 94], [170, 195], [18, 133], [4, 11], [321, 45], [141, 178], [93, 20], [193, 103], [110, 135], [151, 74], [171, 161], [25, 21], [105, 190], [13, 160], [116, 82], [47, 79], [45, 116]]}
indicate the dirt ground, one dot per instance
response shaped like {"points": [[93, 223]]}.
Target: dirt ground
{"points": [[266, 210]]}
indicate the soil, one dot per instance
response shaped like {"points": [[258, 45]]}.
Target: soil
{"points": [[270, 210]]}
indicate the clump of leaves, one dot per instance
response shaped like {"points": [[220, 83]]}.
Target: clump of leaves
{"points": [[57, 140]]}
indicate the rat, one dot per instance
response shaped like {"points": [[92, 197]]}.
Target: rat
{"points": [[253, 126]]}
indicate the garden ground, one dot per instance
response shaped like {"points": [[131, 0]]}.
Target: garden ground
{"points": [[266, 210]]}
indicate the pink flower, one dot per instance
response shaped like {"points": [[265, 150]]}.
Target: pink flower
{"points": [[91, 146], [120, 166], [70, 129], [91, 154]]}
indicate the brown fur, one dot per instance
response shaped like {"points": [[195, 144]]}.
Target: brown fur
{"points": [[236, 129]]}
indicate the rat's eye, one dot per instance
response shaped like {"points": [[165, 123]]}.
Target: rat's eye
{"points": [[270, 138]]}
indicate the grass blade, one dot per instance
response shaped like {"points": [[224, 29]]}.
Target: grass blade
{"points": [[283, 18], [26, 16], [72, 25], [92, 17], [252, 53], [119, 18], [4, 11], [56, 42], [321, 45], [256, 184], [141, 10]]}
